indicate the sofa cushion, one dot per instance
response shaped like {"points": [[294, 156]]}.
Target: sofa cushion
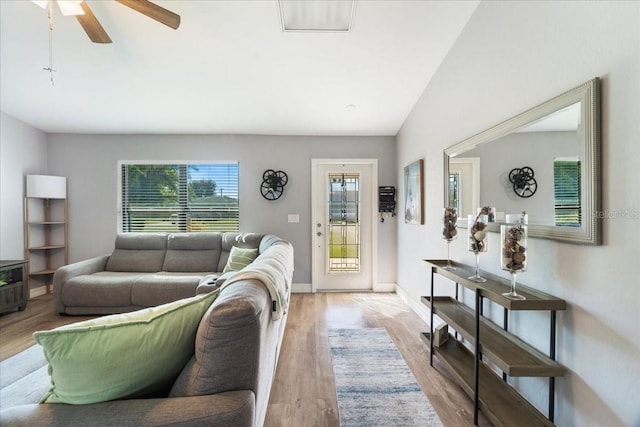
{"points": [[123, 355], [103, 289], [240, 240], [163, 287], [239, 258], [193, 252], [228, 409], [228, 342], [138, 252]]}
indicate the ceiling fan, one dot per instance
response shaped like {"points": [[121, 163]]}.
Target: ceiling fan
{"points": [[80, 9]]}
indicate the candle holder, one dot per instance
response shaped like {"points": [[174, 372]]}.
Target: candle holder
{"points": [[477, 226], [449, 232], [513, 235]]}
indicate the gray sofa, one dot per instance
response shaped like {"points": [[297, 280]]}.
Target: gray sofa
{"points": [[227, 382], [146, 270]]}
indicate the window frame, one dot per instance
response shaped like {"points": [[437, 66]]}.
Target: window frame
{"points": [[559, 203], [120, 200]]}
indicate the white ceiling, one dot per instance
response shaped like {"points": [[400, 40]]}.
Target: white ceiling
{"points": [[228, 69]]}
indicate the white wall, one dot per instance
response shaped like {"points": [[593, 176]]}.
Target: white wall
{"points": [[512, 56], [90, 164], [23, 150]]}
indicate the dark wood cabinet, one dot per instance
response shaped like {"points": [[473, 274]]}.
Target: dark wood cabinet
{"points": [[14, 290]]}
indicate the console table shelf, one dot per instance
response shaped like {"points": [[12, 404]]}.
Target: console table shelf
{"points": [[513, 356], [496, 285], [503, 406], [500, 402]]}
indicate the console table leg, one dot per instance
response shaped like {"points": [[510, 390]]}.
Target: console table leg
{"points": [[456, 333], [476, 363], [431, 320], [552, 355], [505, 326]]}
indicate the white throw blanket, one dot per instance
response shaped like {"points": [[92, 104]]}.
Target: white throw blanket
{"points": [[274, 268]]}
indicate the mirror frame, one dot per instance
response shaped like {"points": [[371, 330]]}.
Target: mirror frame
{"points": [[588, 95]]}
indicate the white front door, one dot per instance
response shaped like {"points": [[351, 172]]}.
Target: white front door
{"points": [[343, 198]]}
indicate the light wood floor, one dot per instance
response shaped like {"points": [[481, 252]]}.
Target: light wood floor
{"points": [[303, 393], [16, 328]]}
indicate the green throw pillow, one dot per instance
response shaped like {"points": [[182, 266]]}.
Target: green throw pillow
{"points": [[122, 355], [239, 258]]}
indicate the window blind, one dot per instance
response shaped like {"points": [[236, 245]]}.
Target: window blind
{"points": [[179, 197], [566, 186]]}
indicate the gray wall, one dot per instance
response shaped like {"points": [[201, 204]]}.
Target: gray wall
{"points": [[510, 57], [23, 151], [536, 150], [90, 164]]}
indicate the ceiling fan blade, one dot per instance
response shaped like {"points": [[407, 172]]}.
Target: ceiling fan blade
{"points": [[91, 26], [154, 11]]}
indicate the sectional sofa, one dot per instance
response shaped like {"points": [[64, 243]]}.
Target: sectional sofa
{"points": [[226, 379], [149, 269]]}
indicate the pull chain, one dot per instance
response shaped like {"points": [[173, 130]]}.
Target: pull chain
{"points": [[50, 68]]}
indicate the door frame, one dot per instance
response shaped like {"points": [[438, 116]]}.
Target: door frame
{"points": [[374, 215], [469, 182]]}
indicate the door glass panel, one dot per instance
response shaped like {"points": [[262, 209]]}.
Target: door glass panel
{"points": [[344, 223]]}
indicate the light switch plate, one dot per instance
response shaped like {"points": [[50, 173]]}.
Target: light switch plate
{"points": [[293, 218]]}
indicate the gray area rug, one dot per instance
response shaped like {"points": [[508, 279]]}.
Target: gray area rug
{"points": [[374, 385], [24, 378]]}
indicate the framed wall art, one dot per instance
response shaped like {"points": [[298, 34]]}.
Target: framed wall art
{"points": [[413, 193]]}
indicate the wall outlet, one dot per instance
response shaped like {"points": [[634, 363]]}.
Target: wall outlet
{"points": [[293, 218]]}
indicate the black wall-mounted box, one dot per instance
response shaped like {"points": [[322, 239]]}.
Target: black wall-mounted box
{"points": [[387, 199]]}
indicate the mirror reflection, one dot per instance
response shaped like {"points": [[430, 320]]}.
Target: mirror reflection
{"points": [[544, 162]]}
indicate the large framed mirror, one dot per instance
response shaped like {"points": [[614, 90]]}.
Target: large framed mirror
{"points": [[544, 161]]}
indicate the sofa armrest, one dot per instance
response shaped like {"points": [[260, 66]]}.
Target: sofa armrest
{"points": [[234, 408], [66, 272]]}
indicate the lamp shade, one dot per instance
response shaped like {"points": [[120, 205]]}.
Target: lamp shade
{"points": [[47, 186]]}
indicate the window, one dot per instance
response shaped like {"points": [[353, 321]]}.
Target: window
{"points": [[179, 197], [454, 186], [566, 186]]}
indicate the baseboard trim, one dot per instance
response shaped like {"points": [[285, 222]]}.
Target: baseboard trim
{"points": [[36, 292], [417, 306], [307, 288], [301, 288], [384, 287]]}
